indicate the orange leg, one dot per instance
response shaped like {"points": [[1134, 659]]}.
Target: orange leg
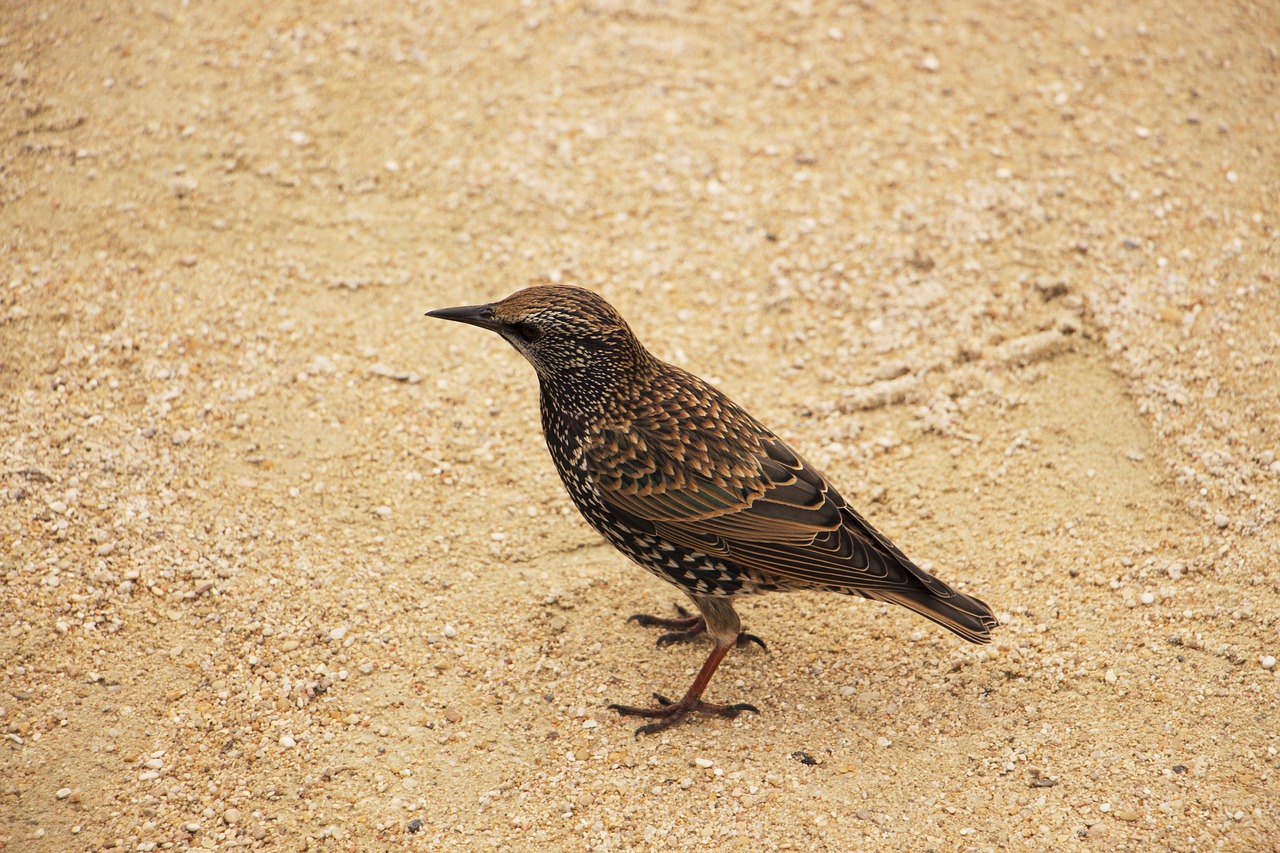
{"points": [[669, 713]]}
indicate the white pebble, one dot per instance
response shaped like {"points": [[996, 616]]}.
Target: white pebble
{"points": [[884, 741], [1111, 676], [63, 793], [1142, 132], [383, 511], [287, 741], [449, 630], [1105, 807], [338, 633], [930, 63], [704, 763], [1148, 598], [1268, 662], [1221, 520]]}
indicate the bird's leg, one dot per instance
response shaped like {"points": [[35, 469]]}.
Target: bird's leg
{"points": [[669, 713], [688, 627], [720, 615]]}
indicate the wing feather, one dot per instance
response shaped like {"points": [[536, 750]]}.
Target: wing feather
{"points": [[723, 485]]}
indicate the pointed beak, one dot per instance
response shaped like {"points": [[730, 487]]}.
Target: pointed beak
{"points": [[472, 315]]}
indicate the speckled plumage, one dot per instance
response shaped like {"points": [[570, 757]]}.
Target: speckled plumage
{"points": [[688, 485]]}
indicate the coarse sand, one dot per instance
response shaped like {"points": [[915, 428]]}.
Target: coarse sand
{"points": [[284, 564]]}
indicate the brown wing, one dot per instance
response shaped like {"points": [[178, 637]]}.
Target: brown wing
{"points": [[730, 488]]}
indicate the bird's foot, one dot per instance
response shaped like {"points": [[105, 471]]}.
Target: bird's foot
{"points": [[688, 627], [669, 713], [685, 621]]}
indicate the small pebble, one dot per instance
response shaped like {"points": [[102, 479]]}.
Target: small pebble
{"points": [[338, 633], [1221, 521], [231, 816], [287, 741], [1147, 598], [704, 763], [63, 793], [1111, 676], [1126, 814], [1268, 662]]}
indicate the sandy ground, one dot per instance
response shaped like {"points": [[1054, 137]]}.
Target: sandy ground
{"points": [[285, 565]]}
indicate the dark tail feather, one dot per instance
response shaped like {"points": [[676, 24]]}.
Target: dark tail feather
{"points": [[963, 614]]}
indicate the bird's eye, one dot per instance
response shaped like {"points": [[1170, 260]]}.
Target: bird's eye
{"points": [[528, 331]]}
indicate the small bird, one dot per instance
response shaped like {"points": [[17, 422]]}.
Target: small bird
{"points": [[683, 481]]}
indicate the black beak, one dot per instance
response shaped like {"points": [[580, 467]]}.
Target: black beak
{"points": [[472, 315]]}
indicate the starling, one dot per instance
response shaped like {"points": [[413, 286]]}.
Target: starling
{"points": [[679, 478]]}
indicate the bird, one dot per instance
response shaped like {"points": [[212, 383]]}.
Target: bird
{"points": [[691, 487]]}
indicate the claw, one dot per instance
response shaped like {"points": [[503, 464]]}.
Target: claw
{"points": [[669, 713], [678, 637], [684, 621], [688, 628]]}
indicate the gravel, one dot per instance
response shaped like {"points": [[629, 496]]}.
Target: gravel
{"points": [[286, 566]]}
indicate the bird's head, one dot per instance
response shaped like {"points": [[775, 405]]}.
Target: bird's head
{"points": [[569, 335]]}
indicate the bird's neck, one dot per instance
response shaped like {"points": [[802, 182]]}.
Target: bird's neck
{"points": [[586, 396], [591, 391]]}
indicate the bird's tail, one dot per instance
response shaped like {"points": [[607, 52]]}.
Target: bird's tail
{"points": [[963, 614]]}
